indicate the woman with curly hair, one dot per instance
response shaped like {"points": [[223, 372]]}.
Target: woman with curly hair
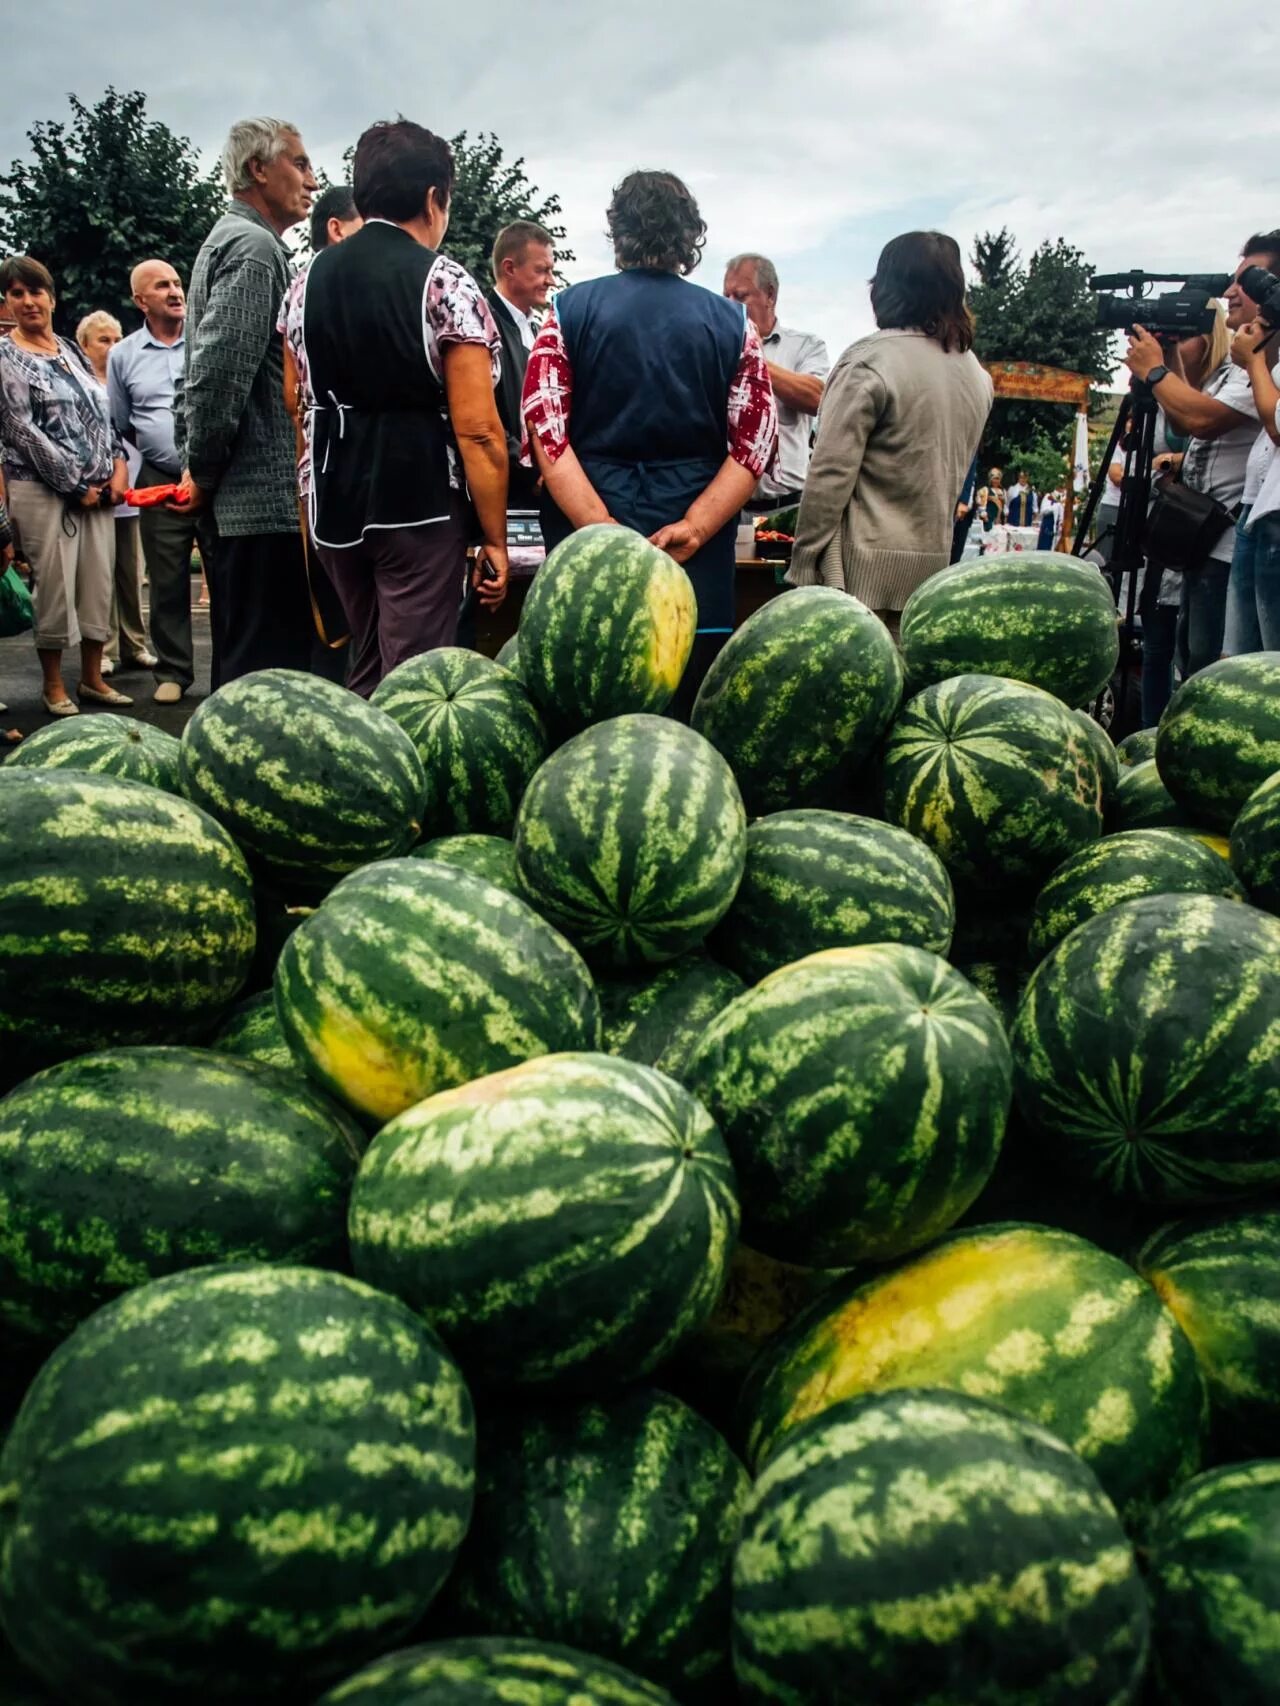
{"points": [[647, 402]]}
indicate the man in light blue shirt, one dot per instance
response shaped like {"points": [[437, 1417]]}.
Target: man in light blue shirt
{"points": [[141, 376]]}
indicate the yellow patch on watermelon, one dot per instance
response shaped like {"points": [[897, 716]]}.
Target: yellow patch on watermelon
{"points": [[378, 1080], [673, 616], [1219, 843]]}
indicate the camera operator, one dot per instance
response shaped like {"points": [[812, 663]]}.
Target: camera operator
{"points": [[1253, 596], [1222, 420]]}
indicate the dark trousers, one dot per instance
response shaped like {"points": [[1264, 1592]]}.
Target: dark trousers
{"points": [[1202, 620], [259, 607], [1159, 639], [960, 536], [400, 589], [167, 541]]}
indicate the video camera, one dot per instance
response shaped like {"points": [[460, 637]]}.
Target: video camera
{"points": [[1264, 288], [1185, 313]]}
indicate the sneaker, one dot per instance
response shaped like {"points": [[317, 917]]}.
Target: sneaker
{"points": [[108, 666], [144, 660], [168, 693]]}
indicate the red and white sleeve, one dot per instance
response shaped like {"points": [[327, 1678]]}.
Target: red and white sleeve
{"points": [[548, 391]]}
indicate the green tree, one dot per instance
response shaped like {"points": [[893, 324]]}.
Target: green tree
{"points": [[1043, 459], [1043, 311], [100, 193]]}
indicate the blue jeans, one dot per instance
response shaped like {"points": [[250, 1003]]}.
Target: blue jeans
{"points": [[1253, 600], [1159, 636], [1203, 616]]}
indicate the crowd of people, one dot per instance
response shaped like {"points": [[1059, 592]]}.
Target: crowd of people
{"points": [[343, 441]]}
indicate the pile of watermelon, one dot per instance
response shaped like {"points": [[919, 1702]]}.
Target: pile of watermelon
{"points": [[506, 1196]]}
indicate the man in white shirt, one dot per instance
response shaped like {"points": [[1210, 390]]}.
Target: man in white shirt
{"points": [[798, 365], [1253, 597], [524, 270]]}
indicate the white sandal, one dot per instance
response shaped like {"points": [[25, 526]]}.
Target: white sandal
{"points": [[109, 697], [60, 707]]}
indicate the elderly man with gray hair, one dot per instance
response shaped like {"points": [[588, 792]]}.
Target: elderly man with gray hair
{"points": [[235, 435], [798, 366]]}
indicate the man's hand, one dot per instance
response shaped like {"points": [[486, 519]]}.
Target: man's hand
{"points": [[491, 587], [962, 510], [1168, 462], [6, 556], [1248, 342], [119, 483], [680, 540], [190, 496], [1144, 353], [92, 498]]}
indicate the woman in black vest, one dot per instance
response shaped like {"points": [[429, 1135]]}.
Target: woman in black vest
{"points": [[403, 356]]}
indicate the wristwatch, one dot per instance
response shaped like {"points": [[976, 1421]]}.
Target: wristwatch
{"points": [[1157, 374]]}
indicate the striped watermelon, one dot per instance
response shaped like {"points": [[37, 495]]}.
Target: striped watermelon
{"points": [[1147, 1049], [1033, 616], [107, 744], [582, 1216], [492, 857], [1136, 748], [476, 732], [639, 1480], [1141, 801], [508, 655], [252, 1032], [1255, 844], [1213, 1569], [631, 839], [1221, 1279], [120, 1167], [820, 879], [923, 1546], [606, 629], [656, 1018], [126, 916], [799, 698], [494, 1672], [1001, 982], [1104, 751], [1126, 867], [312, 781], [1031, 1317], [863, 1094], [997, 777], [1219, 737], [233, 1484], [414, 976], [277, 918]]}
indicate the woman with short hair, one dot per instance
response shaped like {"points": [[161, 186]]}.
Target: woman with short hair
{"points": [[64, 468]]}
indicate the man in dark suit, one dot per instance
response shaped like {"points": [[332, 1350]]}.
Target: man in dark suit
{"points": [[524, 267]]}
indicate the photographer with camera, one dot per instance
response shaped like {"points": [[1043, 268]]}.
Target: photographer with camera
{"points": [[1221, 418], [1253, 596]]}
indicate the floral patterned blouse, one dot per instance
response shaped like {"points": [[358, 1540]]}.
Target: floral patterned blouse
{"points": [[55, 420]]}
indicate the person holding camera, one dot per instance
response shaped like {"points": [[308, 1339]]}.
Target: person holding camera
{"points": [[1253, 597]]}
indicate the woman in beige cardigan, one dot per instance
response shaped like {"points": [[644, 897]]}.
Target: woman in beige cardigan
{"points": [[902, 414]]}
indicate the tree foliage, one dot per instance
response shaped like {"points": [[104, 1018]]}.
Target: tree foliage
{"points": [[1043, 311], [101, 192], [1043, 459]]}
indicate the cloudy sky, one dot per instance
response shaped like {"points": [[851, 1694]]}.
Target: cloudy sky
{"points": [[810, 129]]}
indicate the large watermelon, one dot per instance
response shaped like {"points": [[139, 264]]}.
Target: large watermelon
{"points": [[581, 1217], [1213, 1568], [414, 976], [476, 732], [656, 1017], [820, 879], [923, 1546], [799, 698], [997, 777], [1219, 736], [1147, 1050], [1136, 748], [126, 916], [497, 1671], [1105, 752], [863, 1094], [639, 1480], [252, 1031], [1126, 867], [234, 1484], [120, 1167], [631, 839], [1255, 844], [1221, 1279], [508, 655], [312, 781], [607, 628], [1141, 801], [106, 743], [1033, 616], [1028, 1316], [492, 857]]}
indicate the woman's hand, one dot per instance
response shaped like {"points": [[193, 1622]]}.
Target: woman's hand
{"points": [[1248, 342], [681, 540], [92, 498], [1168, 462], [490, 575]]}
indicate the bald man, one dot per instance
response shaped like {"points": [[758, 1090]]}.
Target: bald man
{"points": [[141, 376]]}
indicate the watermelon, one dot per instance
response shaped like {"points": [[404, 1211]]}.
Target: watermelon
{"points": [[310, 780], [494, 1672], [126, 916], [414, 976], [639, 1480], [819, 879], [863, 1094], [1136, 748], [1219, 737], [1031, 1317], [120, 1167], [1126, 867], [1104, 751], [492, 857], [582, 1216], [606, 629], [997, 777], [1146, 1050], [509, 655], [656, 1017], [999, 981], [799, 698], [107, 744], [1033, 616], [1221, 1279], [278, 918], [1141, 801], [476, 732], [632, 839], [927, 1546], [1255, 844], [233, 1484], [1213, 1569], [252, 1031]]}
